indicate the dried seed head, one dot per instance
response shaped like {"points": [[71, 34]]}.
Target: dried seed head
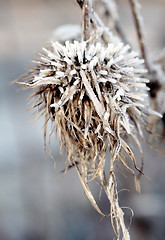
{"points": [[95, 95]]}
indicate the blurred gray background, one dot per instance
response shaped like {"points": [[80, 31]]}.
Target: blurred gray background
{"points": [[37, 202]]}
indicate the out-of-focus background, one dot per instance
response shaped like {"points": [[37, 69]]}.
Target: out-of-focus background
{"points": [[37, 202]]}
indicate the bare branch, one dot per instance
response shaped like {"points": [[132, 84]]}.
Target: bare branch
{"points": [[86, 20], [135, 7], [112, 11], [86, 6], [97, 22]]}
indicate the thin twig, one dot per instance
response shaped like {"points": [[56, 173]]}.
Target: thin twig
{"points": [[112, 10], [86, 6], [98, 23], [105, 30], [135, 7]]}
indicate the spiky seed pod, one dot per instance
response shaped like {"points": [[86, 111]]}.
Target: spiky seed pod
{"points": [[94, 94], [94, 90]]}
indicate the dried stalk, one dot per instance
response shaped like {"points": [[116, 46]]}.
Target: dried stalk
{"points": [[135, 7], [86, 10], [98, 24], [112, 11], [156, 74]]}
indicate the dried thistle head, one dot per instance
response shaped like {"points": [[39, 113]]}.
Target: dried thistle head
{"points": [[91, 90], [95, 95]]}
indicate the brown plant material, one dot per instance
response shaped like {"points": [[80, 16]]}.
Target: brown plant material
{"points": [[135, 7], [95, 94]]}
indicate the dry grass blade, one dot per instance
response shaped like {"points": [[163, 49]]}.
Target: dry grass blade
{"points": [[88, 193]]}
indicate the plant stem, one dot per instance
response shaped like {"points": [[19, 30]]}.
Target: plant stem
{"points": [[135, 7], [98, 24], [112, 10], [86, 6]]}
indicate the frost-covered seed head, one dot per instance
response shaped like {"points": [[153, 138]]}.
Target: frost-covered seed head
{"points": [[95, 94]]}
